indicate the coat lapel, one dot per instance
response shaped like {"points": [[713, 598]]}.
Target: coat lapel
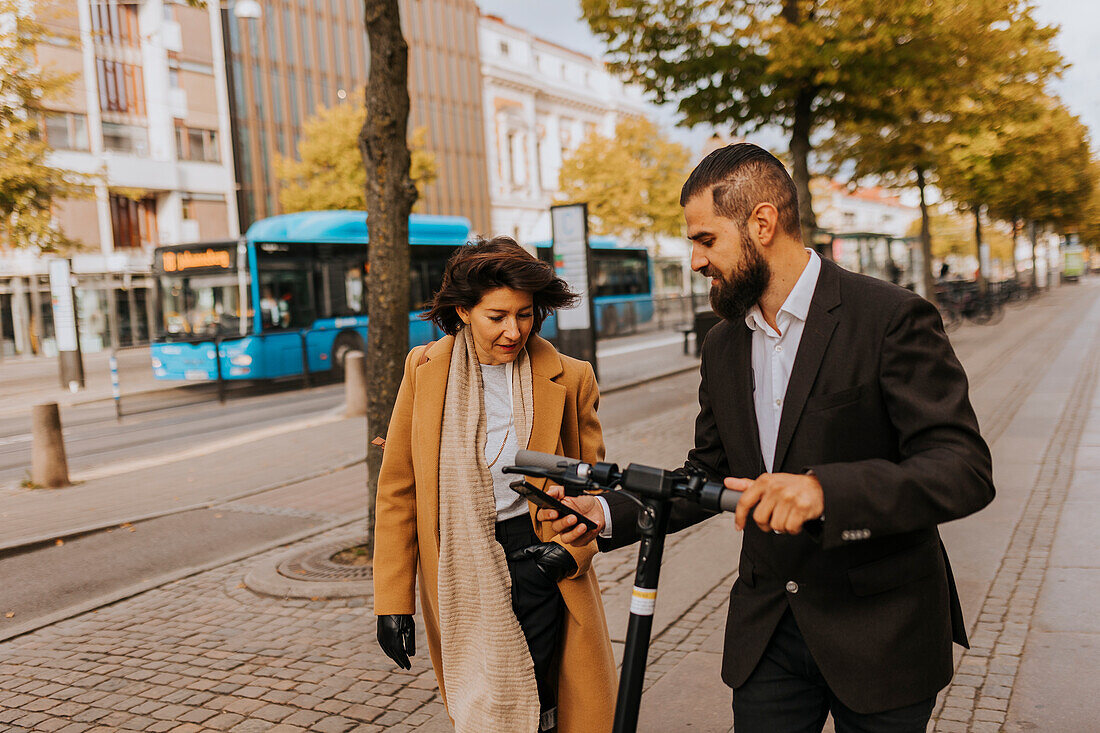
{"points": [[820, 324], [548, 395], [431, 389]]}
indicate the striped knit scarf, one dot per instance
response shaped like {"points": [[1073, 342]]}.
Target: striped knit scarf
{"points": [[487, 667]]}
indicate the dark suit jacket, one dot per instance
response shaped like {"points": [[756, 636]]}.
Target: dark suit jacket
{"points": [[877, 407]]}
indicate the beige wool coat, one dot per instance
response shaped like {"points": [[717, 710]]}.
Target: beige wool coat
{"points": [[407, 517]]}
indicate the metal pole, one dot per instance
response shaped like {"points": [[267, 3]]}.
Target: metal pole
{"points": [[116, 393], [305, 360], [218, 367], [653, 524]]}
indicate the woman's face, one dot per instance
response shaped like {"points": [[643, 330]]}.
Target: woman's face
{"points": [[500, 323]]}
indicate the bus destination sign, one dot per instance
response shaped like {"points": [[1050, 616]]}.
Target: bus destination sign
{"points": [[183, 260]]}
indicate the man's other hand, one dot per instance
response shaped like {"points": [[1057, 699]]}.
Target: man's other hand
{"points": [[568, 529], [779, 502]]}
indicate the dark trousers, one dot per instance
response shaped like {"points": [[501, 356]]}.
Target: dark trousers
{"points": [[787, 694], [537, 604]]}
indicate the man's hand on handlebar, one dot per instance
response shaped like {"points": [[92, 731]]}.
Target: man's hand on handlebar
{"points": [[567, 527], [779, 502]]}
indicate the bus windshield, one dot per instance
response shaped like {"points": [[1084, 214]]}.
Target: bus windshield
{"points": [[200, 306]]}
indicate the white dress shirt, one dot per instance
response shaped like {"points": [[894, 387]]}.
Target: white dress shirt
{"points": [[773, 354]]}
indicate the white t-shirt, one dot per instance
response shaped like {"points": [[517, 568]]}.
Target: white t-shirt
{"points": [[500, 427]]}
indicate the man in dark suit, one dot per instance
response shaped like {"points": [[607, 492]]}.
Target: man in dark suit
{"points": [[836, 404]]}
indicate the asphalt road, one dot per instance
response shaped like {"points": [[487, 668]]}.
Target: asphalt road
{"points": [[160, 423]]}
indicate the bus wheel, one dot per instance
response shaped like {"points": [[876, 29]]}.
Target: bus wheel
{"points": [[346, 342]]}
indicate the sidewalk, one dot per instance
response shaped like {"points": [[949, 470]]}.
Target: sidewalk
{"points": [[205, 653]]}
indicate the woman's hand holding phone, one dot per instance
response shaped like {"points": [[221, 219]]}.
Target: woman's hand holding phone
{"points": [[569, 530]]}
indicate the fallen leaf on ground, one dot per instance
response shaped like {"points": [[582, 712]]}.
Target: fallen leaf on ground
{"points": [[9, 614], [59, 542]]}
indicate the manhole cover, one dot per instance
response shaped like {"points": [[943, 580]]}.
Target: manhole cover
{"points": [[316, 564]]}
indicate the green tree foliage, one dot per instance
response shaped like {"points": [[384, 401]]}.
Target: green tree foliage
{"points": [[953, 234], [802, 64], [1031, 165], [631, 180], [29, 185], [1001, 54], [330, 172]]}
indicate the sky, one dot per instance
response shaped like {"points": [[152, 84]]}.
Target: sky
{"points": [[1079, 41]]}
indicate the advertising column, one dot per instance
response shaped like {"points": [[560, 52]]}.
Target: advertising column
{"points": [[576, 325], [65, 327]]}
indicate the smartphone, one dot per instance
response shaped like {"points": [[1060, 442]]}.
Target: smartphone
{"points": [[541, 498]]}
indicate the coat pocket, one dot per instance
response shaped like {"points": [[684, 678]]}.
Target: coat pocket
{"points": [[834, 399], [894, 571]]}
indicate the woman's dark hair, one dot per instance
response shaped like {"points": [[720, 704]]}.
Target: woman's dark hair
{"points": [[484, 265]]}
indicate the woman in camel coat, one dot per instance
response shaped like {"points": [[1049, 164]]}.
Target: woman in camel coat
{"points": [[416, 486]]}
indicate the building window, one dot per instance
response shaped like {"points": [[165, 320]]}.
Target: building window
{"points": [[504, 48], [115, 22], [193, 143], [66, 130], [121, 87], [174, 78], [134, 222], [131, 139]]}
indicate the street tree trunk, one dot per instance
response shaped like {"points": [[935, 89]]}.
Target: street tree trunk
{"points": [[927, 277], [800, 154], [390, 195], [1016, 224], [1033, 235], [801, 127], [982, 286]]}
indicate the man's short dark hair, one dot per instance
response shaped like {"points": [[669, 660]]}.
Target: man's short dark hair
{"points": [[478, 267], [744, 175]]}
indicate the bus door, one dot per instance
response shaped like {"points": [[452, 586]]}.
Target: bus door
{"points": [[287, 305]]}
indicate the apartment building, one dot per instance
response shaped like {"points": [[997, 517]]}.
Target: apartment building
{"points": [[304, 54], [540, 101], [148, 113]]}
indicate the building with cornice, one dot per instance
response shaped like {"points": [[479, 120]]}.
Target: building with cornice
{"points": [[540, 101]]}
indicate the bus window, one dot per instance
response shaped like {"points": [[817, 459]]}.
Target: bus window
{"points": [[286, 300], [426, 267], [200, 305], [620, 272]]}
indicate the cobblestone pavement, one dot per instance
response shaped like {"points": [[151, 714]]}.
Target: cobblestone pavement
{"points": [[978, 697], [206, 653]]}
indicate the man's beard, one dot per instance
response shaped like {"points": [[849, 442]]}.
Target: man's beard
{"points": [[734, 297]]}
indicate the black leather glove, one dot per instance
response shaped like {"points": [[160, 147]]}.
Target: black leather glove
{"points": [[552, 560], [397, 637]]}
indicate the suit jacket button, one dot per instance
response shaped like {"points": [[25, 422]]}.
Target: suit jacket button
{"points": [[792, 587], [846, 535]]}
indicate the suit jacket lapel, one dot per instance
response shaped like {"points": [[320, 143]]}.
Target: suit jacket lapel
{"points": [[820, 324], [732, 402]]}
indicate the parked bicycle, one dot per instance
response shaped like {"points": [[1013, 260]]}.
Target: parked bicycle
{"points": [[962, 300]]}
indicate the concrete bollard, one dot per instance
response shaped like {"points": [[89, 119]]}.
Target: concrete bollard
{"points": [[49, 468], [355, 384]]}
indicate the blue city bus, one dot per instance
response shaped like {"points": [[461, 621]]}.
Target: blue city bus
{"points": [[622, 284], [293, 291]]}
